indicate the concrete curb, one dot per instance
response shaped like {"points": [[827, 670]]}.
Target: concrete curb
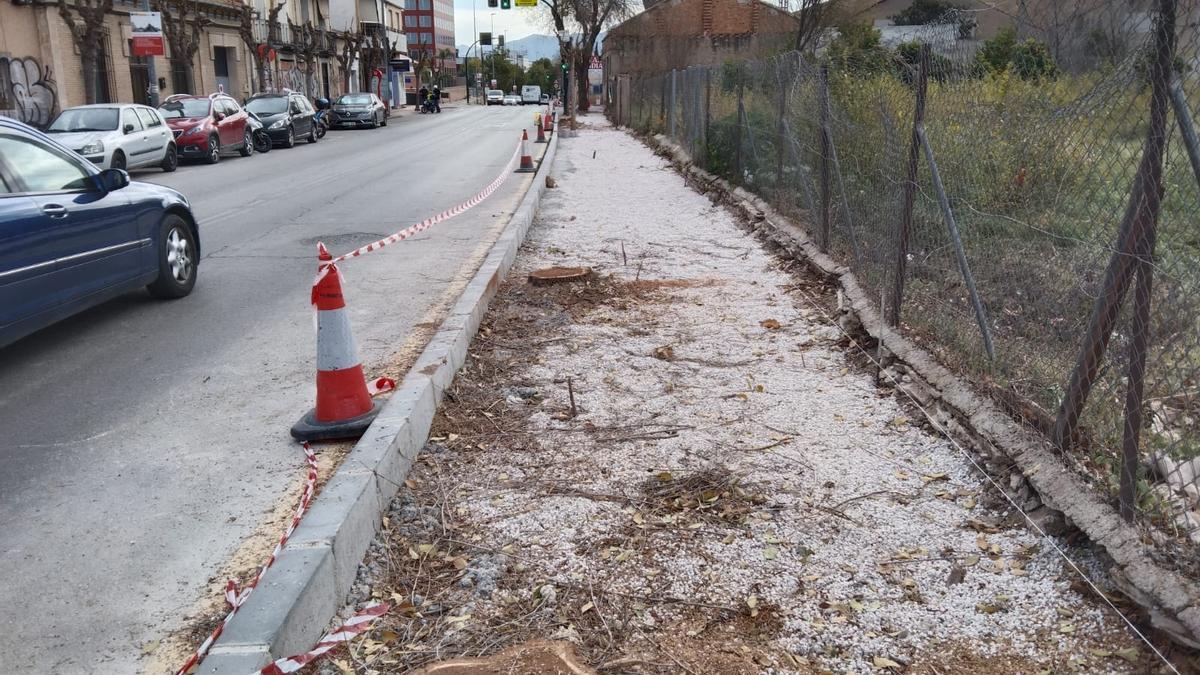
{"points": [[309, 581], [1171, 601]]}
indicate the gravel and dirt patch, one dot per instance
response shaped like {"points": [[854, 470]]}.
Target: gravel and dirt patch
{"points": [[677, 465]]}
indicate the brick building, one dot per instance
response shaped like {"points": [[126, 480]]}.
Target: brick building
{"points": [[681, 33], [429, 25]]}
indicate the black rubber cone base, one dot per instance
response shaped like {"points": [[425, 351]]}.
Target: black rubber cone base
{"points": [[309, 429]]}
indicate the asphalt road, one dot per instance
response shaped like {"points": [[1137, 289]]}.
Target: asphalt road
{"points": [[143, 440]]}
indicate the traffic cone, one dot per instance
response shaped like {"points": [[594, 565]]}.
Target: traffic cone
{"points": [[344, 406], [541, 129], [547, 123], [526, 158]]}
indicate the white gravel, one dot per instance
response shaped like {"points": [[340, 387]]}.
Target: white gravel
{"points": [[736, 386]]}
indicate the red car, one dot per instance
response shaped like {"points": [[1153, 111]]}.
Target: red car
{"points": [[206, 126]]}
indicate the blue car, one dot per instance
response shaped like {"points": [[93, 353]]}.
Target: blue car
{"points": [[73, 236]]}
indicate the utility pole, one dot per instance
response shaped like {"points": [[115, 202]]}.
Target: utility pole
{"points": [[467, 62]]}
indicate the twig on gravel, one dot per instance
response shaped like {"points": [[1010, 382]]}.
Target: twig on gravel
{"points": [[668, 654], [839, 505], [657, 599]]}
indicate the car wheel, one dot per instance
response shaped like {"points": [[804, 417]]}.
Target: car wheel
{"points": [[176, 260], [170, 160], [312, 133], [214, 150], [247, 148], [385, 120], [374, 121], [118, 160]]}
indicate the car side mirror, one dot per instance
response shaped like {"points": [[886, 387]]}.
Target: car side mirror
{"points": [[129, 128], [218, 116], [111, 180]]}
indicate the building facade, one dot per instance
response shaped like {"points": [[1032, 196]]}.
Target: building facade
{"points": [[429, 25], [240, 51]]}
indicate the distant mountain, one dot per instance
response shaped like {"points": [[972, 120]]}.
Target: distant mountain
{"points": [[532, 47]]}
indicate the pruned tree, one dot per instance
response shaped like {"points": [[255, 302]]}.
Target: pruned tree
{"points": [[308, 41], [246, 32], [349, 46], [85, 20], [183, 24], [577, 25]]}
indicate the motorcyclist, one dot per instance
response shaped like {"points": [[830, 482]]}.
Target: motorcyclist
{"points": [[436, 95], [422, 98]]}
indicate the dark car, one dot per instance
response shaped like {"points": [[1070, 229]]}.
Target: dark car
{"points": [[359, 110], [73, 235], [285, 116], [206, 126]]}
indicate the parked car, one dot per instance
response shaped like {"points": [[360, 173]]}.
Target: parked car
{"points": [[531, 93], [512, 99], [495, 97], [359, 110], [286, 116], [207, 126], [117, 136], [73, 235]]}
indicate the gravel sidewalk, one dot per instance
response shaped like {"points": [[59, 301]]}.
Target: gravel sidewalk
{"points": [[681, 466]]}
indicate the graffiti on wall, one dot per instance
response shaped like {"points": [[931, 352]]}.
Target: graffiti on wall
{"points": [[294, 76], [27, 91]]}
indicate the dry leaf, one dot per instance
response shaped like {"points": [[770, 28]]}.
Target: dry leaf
{"points": [[770, 553], [884, 662], [769, 324], [585, 608], [1131, 655], [664, 353]]}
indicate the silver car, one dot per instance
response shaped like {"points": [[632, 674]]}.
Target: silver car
{"points": [[117, 136]]}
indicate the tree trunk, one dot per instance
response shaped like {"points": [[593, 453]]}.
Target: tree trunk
{"points": [[91, 75], [581, 83]]}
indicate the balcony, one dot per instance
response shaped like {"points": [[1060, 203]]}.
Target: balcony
{"points": [[286, 38]]}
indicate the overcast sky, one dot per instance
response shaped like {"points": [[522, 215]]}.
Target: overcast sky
{"points": [[513, 23]]}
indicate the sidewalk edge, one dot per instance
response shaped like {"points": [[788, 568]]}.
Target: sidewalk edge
{"points": [[294, 603]]}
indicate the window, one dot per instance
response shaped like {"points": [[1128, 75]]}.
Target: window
{"points": [[410, 21], [424, 4], [40, 168], [410, 4], [426, 21], [130, 119], [231, 106], [149, 117], [426, 38]]}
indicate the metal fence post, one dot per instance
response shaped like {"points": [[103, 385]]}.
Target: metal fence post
{"points": [[737, 137], [825, 195], [910, 193], [671, 118], [959, 253], [779, 141], [707, 111], [1141, 217]]}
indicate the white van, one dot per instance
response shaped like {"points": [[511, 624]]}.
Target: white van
{"points": [[531, 93]]}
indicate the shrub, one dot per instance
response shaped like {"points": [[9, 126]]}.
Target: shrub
{"points": [[1029, 59], [858, 49], [908, 55]]}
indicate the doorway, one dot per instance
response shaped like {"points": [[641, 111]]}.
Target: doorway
{"points": [[221, 58], [139, 77]]}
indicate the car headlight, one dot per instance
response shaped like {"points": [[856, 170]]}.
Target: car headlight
{"points": [[279, 124], [93, 148], [194, 130]]}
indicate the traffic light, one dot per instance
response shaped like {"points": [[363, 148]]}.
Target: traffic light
{"points": [[501, 40], [493, 3], [485, 39], [505, 4], [563, 65]]}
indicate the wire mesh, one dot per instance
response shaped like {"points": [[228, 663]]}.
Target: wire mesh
{"points": [[1043, 136]]}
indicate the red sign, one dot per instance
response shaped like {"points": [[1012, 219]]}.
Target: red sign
{"points": [[148, 46]]}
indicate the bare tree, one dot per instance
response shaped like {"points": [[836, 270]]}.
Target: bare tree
{"points": [[349, 47], [88, 33], [308, 41], [577, 25], [183, 23], [814, 17], [246, 31]]}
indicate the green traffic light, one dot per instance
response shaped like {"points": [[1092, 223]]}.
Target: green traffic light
{"points": [[505, 4]]}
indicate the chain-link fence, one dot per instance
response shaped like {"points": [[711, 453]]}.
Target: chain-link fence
{"points": [[1025, 206]]}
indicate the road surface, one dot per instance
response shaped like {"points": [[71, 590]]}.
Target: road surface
{"points": [[143, 440]]}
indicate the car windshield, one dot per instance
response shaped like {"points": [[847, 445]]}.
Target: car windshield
{"points": [[267, 105], [354, 99], [187, 107], [85, 119], [495, 92]]}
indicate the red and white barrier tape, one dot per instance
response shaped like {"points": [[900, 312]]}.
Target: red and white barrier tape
{"points": [[235, 598], [441, 217], [353, 627]]}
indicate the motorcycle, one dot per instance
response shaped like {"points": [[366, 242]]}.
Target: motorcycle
{"points": [[428, 107], [258, 132], [323, 118]]}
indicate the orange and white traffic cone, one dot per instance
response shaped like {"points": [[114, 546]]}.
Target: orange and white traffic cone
{"points": [[526, 158], [541, 129], [344, 406], [549, 125]]}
